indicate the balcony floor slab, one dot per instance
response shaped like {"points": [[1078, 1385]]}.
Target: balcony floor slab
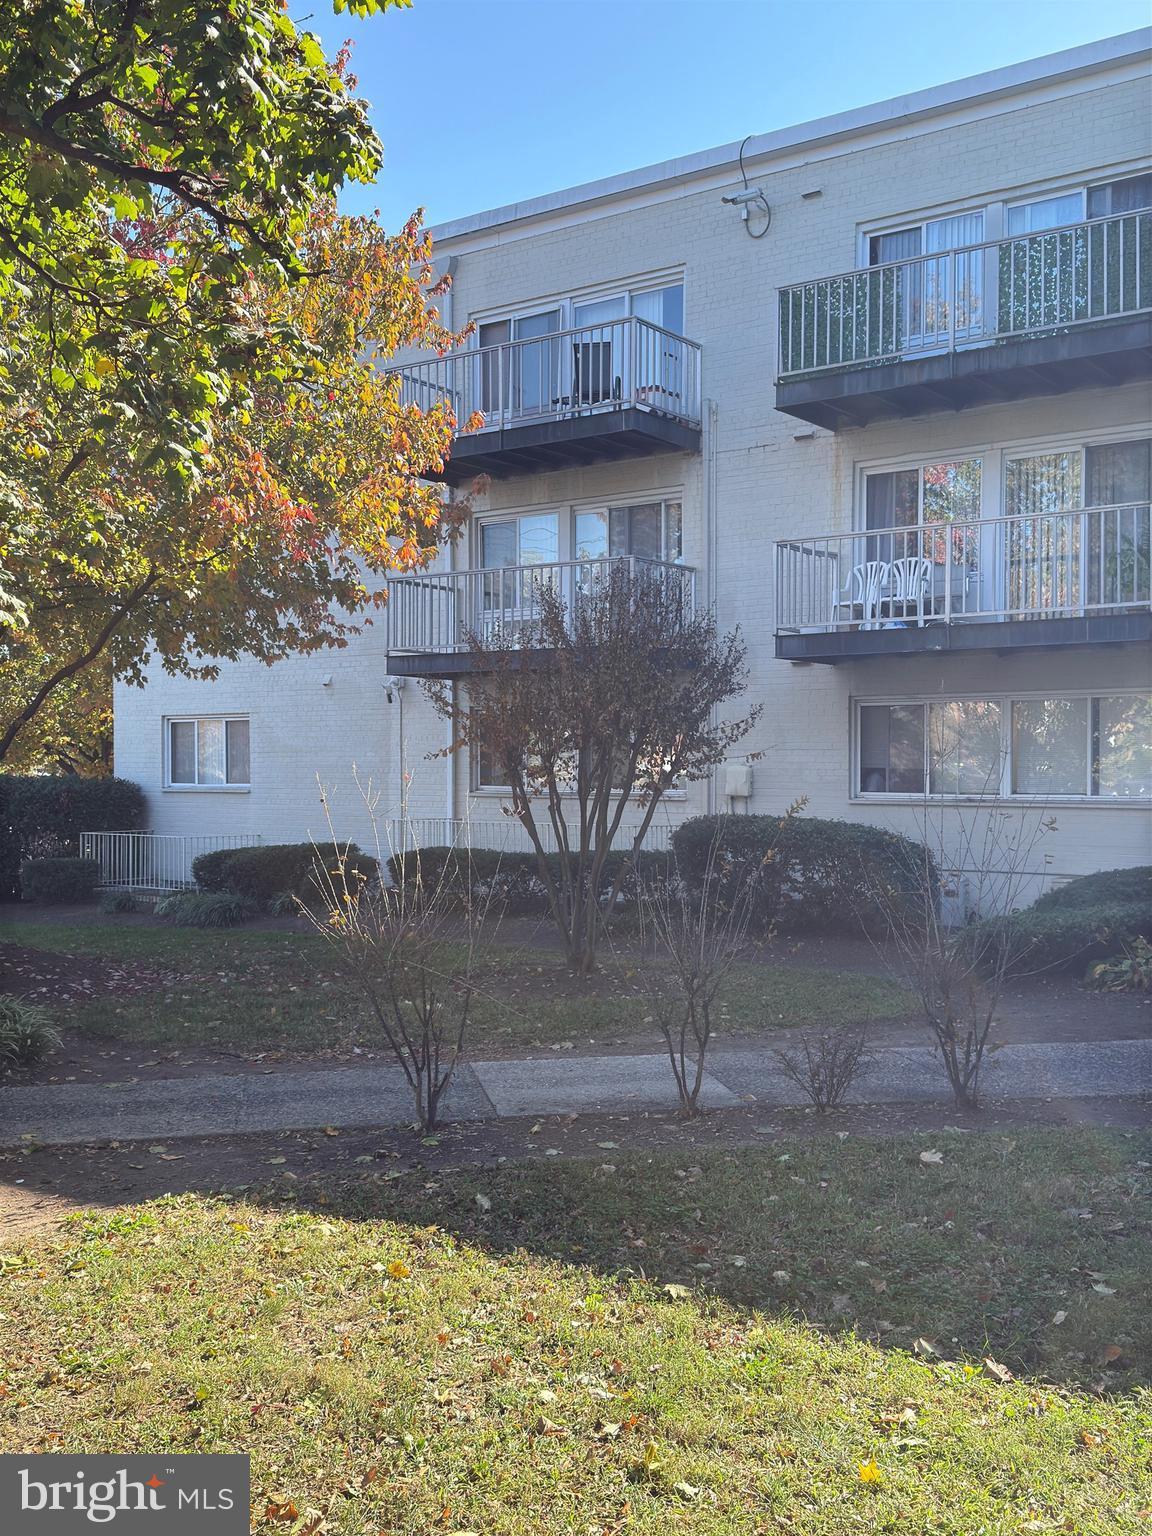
{"points": [[1081, 357], [834, 646], [568, 442]]}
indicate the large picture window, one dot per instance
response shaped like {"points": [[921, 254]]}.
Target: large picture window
{"points": [[208, 753], [1070, 746]]}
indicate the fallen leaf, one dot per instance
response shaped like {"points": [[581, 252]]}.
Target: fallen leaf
{"points": [[994, 1368], [686, 1490], [483, 1202], [932, 1156], [677, 1290], [548, 1428], [1103, 1290], [1058, 1317]]}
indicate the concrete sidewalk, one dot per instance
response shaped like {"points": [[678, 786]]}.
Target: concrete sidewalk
{"points": [[307, 1099]]}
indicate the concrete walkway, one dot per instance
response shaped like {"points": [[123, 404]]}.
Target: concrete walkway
{"points": [[307, 1099]]}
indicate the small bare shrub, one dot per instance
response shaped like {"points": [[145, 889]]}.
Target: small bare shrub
{"points": [[696, 936], [413, 950], [826, 1064]]}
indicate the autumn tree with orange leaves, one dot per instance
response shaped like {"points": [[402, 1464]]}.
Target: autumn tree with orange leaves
{"points": [[199, 453], [304, 502]]}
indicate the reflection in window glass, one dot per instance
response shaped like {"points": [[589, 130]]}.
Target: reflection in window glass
{"points": [[1122, 746], [952, 491], [236, 735], [1050, 746], [1046, 213], [210, 752], [964, 747], [892, 749], [182, 755], [591, 535]]}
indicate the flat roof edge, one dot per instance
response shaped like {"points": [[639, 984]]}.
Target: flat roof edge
{"points": [[1084, 59]]}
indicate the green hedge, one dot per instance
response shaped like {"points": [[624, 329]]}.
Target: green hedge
{"points": [[809, 874], [1069, 939], [512, 879], [274, 869], [56, 881], [46, 813], [1108, 888]]}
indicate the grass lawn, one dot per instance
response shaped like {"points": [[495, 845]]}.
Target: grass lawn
{"points": [[257, 991], [729, 1347]]}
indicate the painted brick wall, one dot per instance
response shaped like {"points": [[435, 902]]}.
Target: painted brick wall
{"points": [[769, 484]]}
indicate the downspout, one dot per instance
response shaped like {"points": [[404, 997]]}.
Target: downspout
{"points": [[709, 455]]}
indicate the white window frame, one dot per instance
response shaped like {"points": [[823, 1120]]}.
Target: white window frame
{"points": [[993, 464], [1004, 792], [204, 789], [625, 288], [566, 512], [995, 204]]}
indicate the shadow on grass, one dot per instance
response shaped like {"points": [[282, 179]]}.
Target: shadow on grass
{"points": [[1032, 1247]]}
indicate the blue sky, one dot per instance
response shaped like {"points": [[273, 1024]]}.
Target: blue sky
{"points": [[484, 102]]}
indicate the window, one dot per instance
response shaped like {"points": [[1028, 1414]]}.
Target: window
{"points": [[964, 748], [1127, 196], [892, 749], [1063, 746], [208, 753], [651, 530], [1046, 213], [926, 238]]}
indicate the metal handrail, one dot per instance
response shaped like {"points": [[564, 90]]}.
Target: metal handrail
{"points": [[961, 250], [968, 296], [435, 612], [1067, 563], [628, 362]]}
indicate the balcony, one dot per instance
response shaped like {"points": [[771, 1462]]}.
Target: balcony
{"points": [[1038, 314], [437, 620], [1078, 577], [621, 390]]}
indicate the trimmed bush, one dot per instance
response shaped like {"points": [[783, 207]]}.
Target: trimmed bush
{"points": [[1039, 939], [114, 902], [809, 874], [206, 909], [210, 870], [55, 881], [1108, 888], [267, 873], [512, 880], [264, 874], [26, 1033]]}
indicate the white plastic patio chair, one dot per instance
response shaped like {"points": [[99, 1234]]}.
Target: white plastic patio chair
{"points": [[862, 590], [909, 580]]}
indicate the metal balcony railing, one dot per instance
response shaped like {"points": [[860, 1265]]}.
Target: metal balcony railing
{"points": [[597, 368], [446, 611], [1002, 290], [1066, 564]]}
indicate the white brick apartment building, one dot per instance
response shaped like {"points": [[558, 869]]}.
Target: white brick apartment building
{"points": [[890, 415]]}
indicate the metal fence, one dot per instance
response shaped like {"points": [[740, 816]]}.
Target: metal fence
{"points": [[154, 861], [442, 611], [626, 362], [1000, 290], [1091, 560]]}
